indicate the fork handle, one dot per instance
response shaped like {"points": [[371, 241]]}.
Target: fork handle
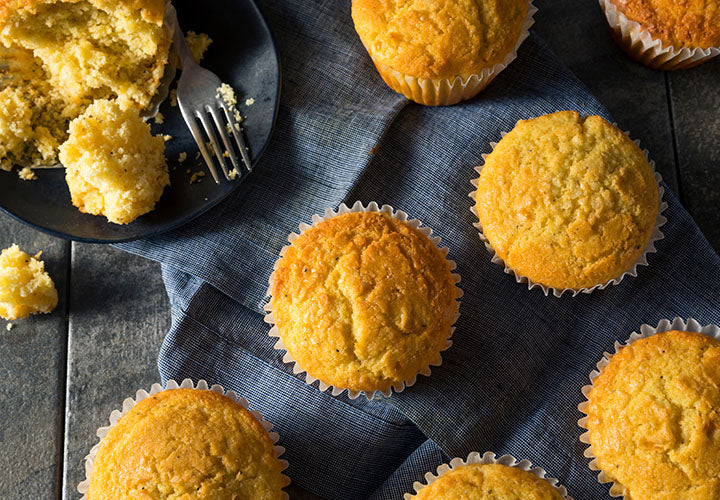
{"points": [[186, 58]]}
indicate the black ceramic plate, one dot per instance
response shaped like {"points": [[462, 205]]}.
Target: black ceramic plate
{"points": [[242, 54]]}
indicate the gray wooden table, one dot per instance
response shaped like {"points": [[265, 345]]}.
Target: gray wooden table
{"points": [[63, 373]]}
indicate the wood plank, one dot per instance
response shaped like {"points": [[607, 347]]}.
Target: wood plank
{"points": [[32, 367], [695, 95], [635, 96], [120, 314]]}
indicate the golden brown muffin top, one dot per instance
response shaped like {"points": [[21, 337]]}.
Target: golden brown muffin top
{"points": [[654, 417], [190, 444], [363, 301], [567, 201], [439, 38], [680, 23], [488, 482], [152, 11]]}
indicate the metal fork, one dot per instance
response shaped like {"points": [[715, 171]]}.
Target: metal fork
{"points": [[199, 100]]}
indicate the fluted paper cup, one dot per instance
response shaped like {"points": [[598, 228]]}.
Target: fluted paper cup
{"points": [[656, 235], [665, 325], [447, 91], [202, 385], [640, 45], [487, 458], [329, 214]]}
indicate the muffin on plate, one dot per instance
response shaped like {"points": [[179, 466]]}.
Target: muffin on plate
{"points": [[567, 202], [363, 301], [114, 166], [440, 52], [60, 56], [666, 34], [25, 287], [653, 418], [186, 443]]}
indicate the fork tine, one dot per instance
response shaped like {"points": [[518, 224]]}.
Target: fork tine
{"points": [[207, 125], [239, 139], [200, 140], [224, 136]]}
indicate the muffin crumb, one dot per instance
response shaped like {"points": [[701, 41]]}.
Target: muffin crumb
{"points": [[198, 44], [249, 102], [159, 119], [197, 177], [27, 174], [182, 157], [25, 287]]}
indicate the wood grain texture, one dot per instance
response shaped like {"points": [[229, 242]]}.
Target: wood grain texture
{"points": [[695, 96], [32, 366], [120, 313]]}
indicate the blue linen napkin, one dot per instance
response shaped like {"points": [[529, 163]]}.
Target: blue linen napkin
{"points": [[511, 381]]}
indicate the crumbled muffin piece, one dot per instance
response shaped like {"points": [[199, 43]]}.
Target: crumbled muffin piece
{"points": [[198, 43], [25, 287], [65, 54], [197, 177], [249, 101], [114, 165], [182, 157], [159, 119]]}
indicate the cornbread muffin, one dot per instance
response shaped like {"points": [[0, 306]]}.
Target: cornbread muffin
{"points": [[31, 118], [566, 201], [690, 23], [66, 54], [189, 444], [363, 301], [438, 40], [25, 287], [488, 482], [654, 418], [114, 165]]}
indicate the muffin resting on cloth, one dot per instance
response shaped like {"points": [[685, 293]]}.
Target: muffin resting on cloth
{"points": [[488, 482], [25, 287], [114, 165], [437, 40], [566, 201], [363, 301], [186, 443], [690, 23], [654, 418], [72, 53]]}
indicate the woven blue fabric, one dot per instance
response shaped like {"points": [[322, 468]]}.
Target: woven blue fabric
{"points": [[511, 382]]}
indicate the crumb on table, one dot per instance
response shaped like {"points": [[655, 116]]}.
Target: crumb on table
{"points": [[249, 101], [9, 326], [25, 287]]}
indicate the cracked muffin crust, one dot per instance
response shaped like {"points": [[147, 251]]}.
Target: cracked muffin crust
{"points": [[654, 417], [363, 301], [566, 201], [690, 23], [186, 444], [488, 482]]}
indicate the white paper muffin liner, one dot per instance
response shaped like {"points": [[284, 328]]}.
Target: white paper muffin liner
{"points": [[329, 214], [656, 235], [202, 385], [648, 50], [665, 325], [447, 91], [487, 458]]}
